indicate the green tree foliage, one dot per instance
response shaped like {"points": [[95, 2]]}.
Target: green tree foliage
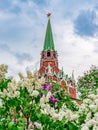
{"points": [[88, 82]]}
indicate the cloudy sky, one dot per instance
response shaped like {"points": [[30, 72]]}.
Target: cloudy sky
{"points": [[74, 26]]}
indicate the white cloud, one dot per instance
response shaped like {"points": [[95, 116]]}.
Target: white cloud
{"points": [[75, 52]]}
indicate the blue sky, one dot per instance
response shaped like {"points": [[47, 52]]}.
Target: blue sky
{"points": [[22, 32]]}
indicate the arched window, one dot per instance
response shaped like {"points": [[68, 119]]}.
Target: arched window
{"points": [[48, 54]]}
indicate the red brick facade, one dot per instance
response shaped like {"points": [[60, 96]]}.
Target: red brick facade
{"points": [[49, 64]]}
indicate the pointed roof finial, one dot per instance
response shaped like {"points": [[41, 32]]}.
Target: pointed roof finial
{"points": [[49, 43], [48, 15]]}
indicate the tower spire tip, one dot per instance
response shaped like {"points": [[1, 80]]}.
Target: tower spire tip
{"points": [[48, 15]]}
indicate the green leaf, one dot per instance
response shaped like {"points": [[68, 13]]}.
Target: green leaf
{"points": [[82, 118], [26, 112], [11, 125], [37, 99], [44, 92], [72, 126], [20, 127], [4, 84]]}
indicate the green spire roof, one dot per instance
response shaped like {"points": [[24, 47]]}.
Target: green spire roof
{"points": [[49, 43]]}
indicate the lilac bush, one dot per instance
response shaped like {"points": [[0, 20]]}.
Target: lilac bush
{"points": [[88, 82], [30, 104]]}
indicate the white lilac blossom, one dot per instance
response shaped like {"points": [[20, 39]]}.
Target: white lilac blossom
{"points": [[88, 117], [93, 107], [31, 81], [11, 91], [34, 126], [87, 101], [95, 127], [84, 128], [3, 71], [35, 93], [9, 94], [90, 123], [48, 96], [96, 102], [55, 114], [38, 125], [89, 106]]}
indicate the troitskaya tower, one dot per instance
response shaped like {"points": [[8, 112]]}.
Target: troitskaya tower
{"points": [[49, 58], [49, 64]]}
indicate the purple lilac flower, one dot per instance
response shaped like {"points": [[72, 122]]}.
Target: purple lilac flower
{"points": [[41, 95], [56, 100], [52, 99], [47, 87], [44, 86], [35, 127]]}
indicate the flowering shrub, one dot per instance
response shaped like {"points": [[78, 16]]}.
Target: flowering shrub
{"points": [[88, 82], [90, 110], [31, 104]]}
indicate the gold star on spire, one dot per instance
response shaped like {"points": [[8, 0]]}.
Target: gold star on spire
{"points": [[48, 15]]}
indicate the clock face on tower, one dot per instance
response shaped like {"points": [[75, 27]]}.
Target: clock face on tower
{"points": [[51, 63]]}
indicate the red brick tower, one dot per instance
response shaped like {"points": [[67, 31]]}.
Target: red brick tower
{"points": [[49, 58], [49, 64]]}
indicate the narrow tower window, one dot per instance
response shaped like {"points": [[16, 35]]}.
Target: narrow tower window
{"points": [[48, 54]]}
